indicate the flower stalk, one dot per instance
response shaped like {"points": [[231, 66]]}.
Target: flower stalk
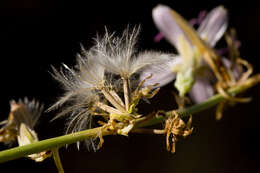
{"points": [[56, 158], [57, 142]]}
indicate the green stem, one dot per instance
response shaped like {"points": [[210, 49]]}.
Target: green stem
{"points": [[212, 101], [48, 144], [56, 157], [57, 142]]}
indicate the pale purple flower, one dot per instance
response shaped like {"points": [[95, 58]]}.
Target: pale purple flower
{"points": [[193, 22], [210, 30]]}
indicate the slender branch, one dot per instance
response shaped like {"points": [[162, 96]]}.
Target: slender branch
{"points": [[48, 144], [212, 101], [57, 142], [57, 160]]}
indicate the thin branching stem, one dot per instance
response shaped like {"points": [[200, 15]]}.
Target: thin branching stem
{"points": [[57, 142]]}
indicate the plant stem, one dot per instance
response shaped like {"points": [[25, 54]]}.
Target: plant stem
{"points": [[212, 101], [57, 160], [48, 144], [57, 142]]}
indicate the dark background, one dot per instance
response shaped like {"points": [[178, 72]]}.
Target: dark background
{"points": [[35, 34]]}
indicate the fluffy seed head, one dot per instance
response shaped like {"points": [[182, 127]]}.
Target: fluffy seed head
{"points": [[119, 55], [95, 77]]}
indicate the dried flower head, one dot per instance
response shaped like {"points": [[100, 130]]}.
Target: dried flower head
{"points": [[91, 90], [176, 127], [19, 126], [23, 111]]}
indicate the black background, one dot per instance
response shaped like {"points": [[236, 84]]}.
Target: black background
{"points": [[35, 34]]}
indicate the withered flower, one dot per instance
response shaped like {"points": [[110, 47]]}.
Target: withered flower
{"points": [[23, 111], [20, 124], [102, 84], [175, 127]]}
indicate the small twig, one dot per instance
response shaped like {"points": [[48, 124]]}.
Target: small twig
{"points": [[56, 157]]}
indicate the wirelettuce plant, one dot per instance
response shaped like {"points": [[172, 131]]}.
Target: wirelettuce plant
{"points": [[104, 88]]}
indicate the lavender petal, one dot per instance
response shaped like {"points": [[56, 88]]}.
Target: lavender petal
{"points": [[161, 73], [201, 90], [214, 25], [167, 25]]}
